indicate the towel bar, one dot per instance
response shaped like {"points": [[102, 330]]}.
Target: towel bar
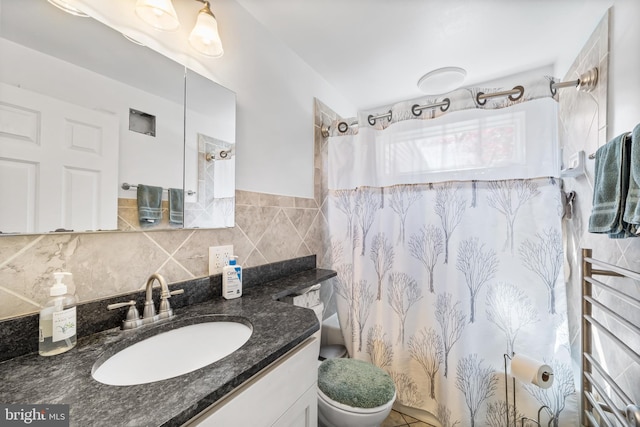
{"points": [[127, 186], [593, 155]]}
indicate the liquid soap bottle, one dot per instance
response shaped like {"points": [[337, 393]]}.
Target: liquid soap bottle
{"points": [[232, 280], [58, 319]]}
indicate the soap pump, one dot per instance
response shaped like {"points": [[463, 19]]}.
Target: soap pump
{"points": [[232, 279], [57, 332]]}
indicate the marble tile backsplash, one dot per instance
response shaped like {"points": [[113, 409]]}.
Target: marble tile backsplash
{"points": [[268, 228]]}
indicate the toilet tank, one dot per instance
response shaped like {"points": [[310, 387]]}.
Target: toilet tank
{"points": [[331, 332]]}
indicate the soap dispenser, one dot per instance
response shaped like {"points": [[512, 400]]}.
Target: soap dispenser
{"points": [[58, 319], [232, 279]]}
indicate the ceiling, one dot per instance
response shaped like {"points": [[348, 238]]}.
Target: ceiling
{"points": [[375, 51]]}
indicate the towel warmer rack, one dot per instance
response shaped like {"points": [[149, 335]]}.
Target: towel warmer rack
{"points": [[599, 389]]}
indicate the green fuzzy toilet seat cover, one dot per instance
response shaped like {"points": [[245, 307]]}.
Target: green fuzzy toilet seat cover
{"points": [[355, 383]]}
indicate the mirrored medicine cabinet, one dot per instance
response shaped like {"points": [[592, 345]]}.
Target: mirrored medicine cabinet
{"points": [[87, 115]]}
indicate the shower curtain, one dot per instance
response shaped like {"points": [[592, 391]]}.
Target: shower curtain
{"points": [[446, 236]]}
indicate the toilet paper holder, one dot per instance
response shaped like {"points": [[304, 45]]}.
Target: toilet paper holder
{"points": [[546, 376], [523, 419]]}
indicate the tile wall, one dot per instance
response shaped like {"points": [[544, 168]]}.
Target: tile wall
{"points": [[268, 228], [583, 126]]}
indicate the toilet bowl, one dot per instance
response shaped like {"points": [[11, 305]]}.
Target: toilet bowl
{"points": [[335, 414], [353, 393]]}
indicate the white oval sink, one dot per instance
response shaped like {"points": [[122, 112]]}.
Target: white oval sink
{"points": [[172, 353]]}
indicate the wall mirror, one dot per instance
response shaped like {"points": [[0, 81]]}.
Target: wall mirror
{"points": [[87, 115]]}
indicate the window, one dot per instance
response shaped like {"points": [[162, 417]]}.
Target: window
{"points": [[491, 142]]}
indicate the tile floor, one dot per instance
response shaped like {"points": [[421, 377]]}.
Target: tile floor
{"points": [[397, 419]]}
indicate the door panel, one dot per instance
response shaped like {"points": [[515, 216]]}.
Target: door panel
{"points": [[70, 148]]}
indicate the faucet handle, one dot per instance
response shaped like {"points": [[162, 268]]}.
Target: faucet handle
{"points": [[165, 307], [121, 304], [133, 316], [167, 293]]}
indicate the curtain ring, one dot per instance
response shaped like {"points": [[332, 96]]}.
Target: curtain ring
{"points": [[372, 120], [445, 108], [413, 110], [515, 98], [343, 127], [480, 101], [553, 90]]}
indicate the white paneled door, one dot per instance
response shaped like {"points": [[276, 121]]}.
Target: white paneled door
{"points": [[58, 164]]}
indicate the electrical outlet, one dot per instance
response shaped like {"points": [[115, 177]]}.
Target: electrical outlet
{"points": [[219, 257]]}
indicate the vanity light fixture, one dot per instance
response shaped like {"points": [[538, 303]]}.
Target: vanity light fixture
{"points": [[160, 14], [205, 37], [63, 5]]}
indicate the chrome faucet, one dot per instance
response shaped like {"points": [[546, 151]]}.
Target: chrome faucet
{"points": [[149, 315]]}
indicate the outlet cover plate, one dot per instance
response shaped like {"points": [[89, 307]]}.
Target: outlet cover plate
{"points": [[219, 257]]}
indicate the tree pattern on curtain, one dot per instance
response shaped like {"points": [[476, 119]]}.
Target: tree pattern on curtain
{"points": [[436, 282]]}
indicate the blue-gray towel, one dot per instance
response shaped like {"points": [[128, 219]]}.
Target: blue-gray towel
{"points": [[176, 207], [149, 204], [632, 204], [610, 187]]}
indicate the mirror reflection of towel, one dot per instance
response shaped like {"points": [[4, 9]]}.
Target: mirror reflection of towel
{"points": [[176, 196], [149, 204], [223, 175]]}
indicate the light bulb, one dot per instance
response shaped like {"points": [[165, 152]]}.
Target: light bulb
{"points": [[204, 37]]}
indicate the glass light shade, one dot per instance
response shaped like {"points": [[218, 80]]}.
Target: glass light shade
{"points": [[442, 80], [61, 4], [159, 14], [205, 38]]}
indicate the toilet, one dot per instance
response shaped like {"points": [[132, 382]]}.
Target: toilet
{"points": [[351, 393]]}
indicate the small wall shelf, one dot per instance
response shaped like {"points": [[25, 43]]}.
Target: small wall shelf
{"points": [[576, 166]]}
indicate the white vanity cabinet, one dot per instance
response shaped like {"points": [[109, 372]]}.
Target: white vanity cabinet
{"points": [[282, 395]]}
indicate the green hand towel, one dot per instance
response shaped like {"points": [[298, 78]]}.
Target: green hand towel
{"points": [[610, 187], [176, 205], [632, 204], [149, 204]]}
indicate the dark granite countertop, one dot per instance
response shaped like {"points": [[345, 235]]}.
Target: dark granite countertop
{"points": [[66, 378]]}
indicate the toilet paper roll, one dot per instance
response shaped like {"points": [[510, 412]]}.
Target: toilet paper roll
{"points": [[529, 370]]}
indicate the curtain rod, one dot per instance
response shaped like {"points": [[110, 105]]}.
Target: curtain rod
{"points": [[585, 83]]}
